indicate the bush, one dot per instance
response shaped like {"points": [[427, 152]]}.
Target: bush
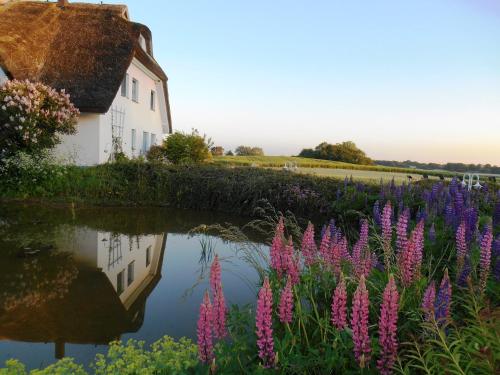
{"points": [[346, 152], [156, 154], [33, 116], [187, 148], [217, 151], [249, 151]]}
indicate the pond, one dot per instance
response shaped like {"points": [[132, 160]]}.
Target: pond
{"points": [[72, 280]]}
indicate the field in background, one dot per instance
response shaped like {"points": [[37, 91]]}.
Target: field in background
{"points": [[328, 168]]}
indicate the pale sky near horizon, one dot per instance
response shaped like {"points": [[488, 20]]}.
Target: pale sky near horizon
{"points": [[415, 80]]}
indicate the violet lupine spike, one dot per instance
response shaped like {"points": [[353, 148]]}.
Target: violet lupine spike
{"points": [[402, 230], [285, 310], [428, 301], [432, 234], [277, 246], [363, 234], [204, 331], [324, 247], [387, 328], [387, 234], [464, 275], [308, 246], [461, 245], [219, 309], [376, 213], [496, 215], [443, 301], [495, 252], [339, 305], [485, 257], [359, 324], [264, 322]]}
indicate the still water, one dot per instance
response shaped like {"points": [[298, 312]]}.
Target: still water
{"points": [[72, 280]]}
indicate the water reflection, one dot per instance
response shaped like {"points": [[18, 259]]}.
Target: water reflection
{"points": [[86, 277]]}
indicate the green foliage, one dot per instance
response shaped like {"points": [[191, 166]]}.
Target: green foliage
{"points": [[346, 152], [249, 151], [33, 116], [217, 151], [187, 148], [156, 154]]}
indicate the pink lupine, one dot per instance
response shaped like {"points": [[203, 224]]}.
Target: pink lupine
{"points": [[277, 246], [418, 253], [344, 252], [308, 247], [387, 328], [359, 324], [485, 257], [402, 230], [324, 247], [336, 257], [219, 309], [263, 322], [461, 244], [291, 262], [339, 305], [363, 234], [428, 301], [205, 343], [286, 303], [387, 234]]}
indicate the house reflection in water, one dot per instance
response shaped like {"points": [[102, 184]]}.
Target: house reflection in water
{"points": [[114, 275]]}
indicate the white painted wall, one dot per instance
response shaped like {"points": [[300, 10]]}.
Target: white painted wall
{"points": [[92, 144]]}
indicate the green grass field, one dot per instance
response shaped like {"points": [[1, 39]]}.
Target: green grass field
{"points": [[327, 168]]}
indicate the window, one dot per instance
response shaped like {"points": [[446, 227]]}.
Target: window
{"points": [[130, 273], [125, 86], [135, 90], [153, 139], [152, 101], [148, 256], [134, 140], [145, 142], [120, 287]]}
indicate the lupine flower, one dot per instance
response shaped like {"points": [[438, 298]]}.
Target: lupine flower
{"points": [[219, 309], [496, 253], [402, 230], [387, 233], [471, 220], [464, 275], [429, 300], [418, 239], [324, 247], [264, 323], [496, 215], [286, 303], [443, 301], [363, 234], [376, 213], [339, 305], [359, 324], [205, 343], [277, 247], [387, 328], [432, 234], [406, 263], [309, 246], [485, 257]]}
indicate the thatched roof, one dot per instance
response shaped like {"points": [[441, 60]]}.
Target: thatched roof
{"points": [[83, 48]]}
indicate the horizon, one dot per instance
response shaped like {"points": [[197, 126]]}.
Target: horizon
{"points": [[406, 81]]}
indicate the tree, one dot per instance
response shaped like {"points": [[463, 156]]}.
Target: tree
{"points": [[217, 151], [346, 152], [187, 148], [33, 116], [249, 151]]}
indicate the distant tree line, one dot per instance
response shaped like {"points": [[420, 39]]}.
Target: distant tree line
{"points": [[452, 167], [249, 151], [346, 152]]}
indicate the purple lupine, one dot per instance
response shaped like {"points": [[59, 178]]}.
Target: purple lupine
{"points": [[264, 324], [308, 246], [363, 234], [443, 301], [204, 331], [429, 300], [359, 324], [285, 310], [376, 213], [485, 257], [432, 234], [471, 221], [461, 245], [219, 309], [277, 247], [495, 252], [496, 215], [402, 230], [387, 328], [387, 233], [464, 274], [339, 305]]}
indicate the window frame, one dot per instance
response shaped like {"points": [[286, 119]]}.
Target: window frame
{"points": [[125, 86], [152, 100], [133, 140], [135, 90]]}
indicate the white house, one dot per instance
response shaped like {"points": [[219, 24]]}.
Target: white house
{"points": [[103, 60]]}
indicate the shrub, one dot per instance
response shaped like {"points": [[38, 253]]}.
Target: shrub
{"points": [[187, 148], [249, 151], [33, 116], [156, 154], [346, 152], [217, 151]]}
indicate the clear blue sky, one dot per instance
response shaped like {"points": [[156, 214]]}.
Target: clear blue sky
{"points": [[403, 79]]}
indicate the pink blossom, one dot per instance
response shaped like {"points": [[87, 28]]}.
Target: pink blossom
{"points": [[324, 248], [387, 328], [308, 247], [277, 247], [219, 309], [461, 246], [215, 274], [485, 257], [359, 324], [402, 230], [286, 303], [263, 322], [205, 343], [387, 234], [339, 305]]}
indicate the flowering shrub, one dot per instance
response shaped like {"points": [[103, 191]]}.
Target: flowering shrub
{"points": [[33, 116]]}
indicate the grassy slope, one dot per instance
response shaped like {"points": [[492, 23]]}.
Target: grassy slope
{"points": [[279, 161]]}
